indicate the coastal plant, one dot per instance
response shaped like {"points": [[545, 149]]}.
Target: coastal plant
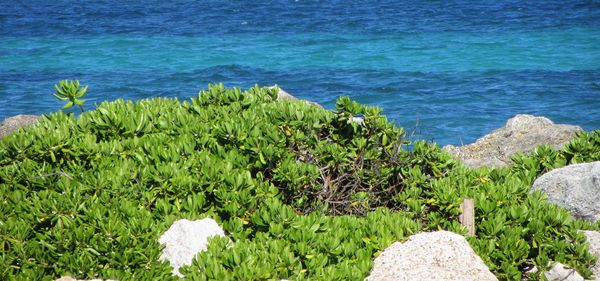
{"points": [[515, 229], [583, 148], [70, 92], [303, 193]]}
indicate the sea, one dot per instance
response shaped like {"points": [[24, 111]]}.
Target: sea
{"points": [[447, 71]]}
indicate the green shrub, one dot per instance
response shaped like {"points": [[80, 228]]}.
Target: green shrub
{"points": [[304, 193]]}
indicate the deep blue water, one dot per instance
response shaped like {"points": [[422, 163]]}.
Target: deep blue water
{"points": [[448, 71]]}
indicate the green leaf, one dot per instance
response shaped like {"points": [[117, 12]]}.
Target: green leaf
{"points": [[68, 105]]}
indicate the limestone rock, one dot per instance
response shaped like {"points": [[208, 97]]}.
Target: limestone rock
{"points": [[593, 239], [560, 272], [522, 133], [575, 188], [11, 124], [185, 239], [283, 95], [439, 255]]}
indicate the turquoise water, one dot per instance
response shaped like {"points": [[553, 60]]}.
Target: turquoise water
{"points": [[442, 78], [563, 50]]}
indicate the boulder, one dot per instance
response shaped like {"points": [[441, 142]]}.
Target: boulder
{"points": [[575, 188], [593, 239], [560, 272], [283, 95], [11, 124], [185, 239], [522, 133], [439, 255]]}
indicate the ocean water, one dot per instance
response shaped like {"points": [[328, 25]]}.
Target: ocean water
{"points": [[446, 71]]}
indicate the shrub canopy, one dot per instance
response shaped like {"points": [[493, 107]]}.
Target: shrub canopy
{"points": [[302, 192]]}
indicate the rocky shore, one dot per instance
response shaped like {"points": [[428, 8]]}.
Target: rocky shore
{"points": [[522, 133]]}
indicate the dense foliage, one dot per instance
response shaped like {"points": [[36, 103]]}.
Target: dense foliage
{"points": [[302, 192]]}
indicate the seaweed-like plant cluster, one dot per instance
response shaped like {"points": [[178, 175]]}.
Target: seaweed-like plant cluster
{"points": [[303, 193]]}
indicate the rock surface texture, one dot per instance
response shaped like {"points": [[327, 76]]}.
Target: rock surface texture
{"points": [[575, 188], [440, 255], [13, 123], [185, 239], [522, 133], [593, 239], [560, 272], [283, 95]]}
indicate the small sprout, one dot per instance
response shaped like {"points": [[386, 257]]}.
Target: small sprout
{"points": [[69, 91]]}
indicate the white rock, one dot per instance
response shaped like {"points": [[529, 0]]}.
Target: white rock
{"points": [[283, 95], [439, 255], [575, 188], [593, 239], [560, 272], [185, 239]]}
